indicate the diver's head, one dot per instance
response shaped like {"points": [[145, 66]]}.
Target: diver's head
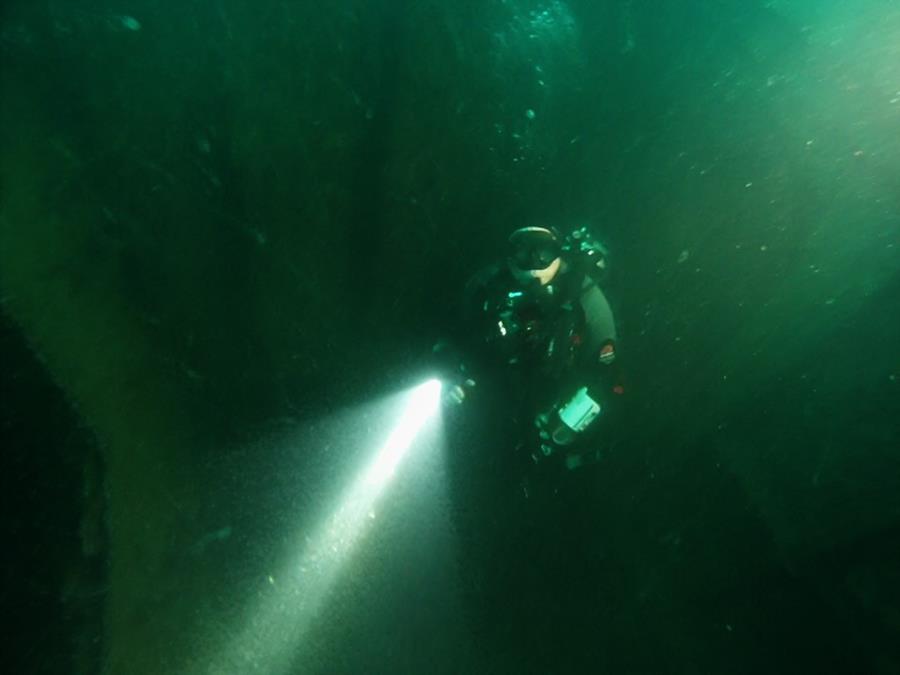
{"points": [[534, 254]]}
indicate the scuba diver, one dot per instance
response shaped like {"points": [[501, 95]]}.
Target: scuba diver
{"points": [[541, 337]]}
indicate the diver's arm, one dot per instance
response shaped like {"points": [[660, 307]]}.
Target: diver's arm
{"points": [[453, 371], [601, 381], [601, 325], [458, 359]]}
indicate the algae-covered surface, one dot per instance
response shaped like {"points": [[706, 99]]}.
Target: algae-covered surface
{"points": [[231, 232]]}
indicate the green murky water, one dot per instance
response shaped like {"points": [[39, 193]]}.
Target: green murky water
{"points": [[230, 233]]}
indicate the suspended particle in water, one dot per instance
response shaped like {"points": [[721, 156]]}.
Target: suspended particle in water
{"points": [[530, 114], [129, 22], [684, 255]]}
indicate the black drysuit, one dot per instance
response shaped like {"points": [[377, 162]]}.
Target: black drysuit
{"points": [[536, 346]]}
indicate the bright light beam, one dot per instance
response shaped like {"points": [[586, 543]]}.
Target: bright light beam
{"points": [[422, 406], [277, 629], [327, 551]]}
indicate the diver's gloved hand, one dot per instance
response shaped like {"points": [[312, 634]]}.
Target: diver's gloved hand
{"points": [[456, 393], [554, 436], [563, 435], [453, 373], [550, 434], [560, 427]]}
